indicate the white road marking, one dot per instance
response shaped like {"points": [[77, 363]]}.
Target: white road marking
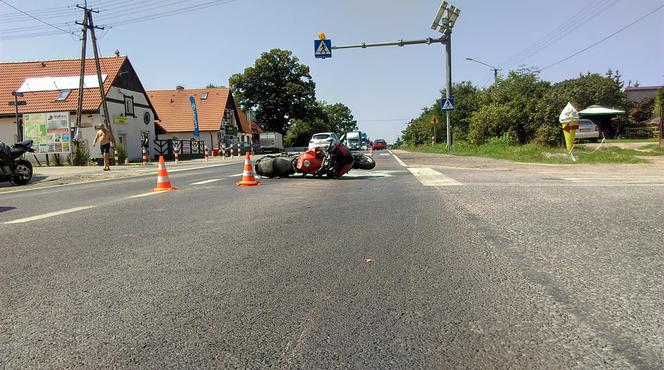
{"points": [[372, 173], [205, 182], [47, 215], [617, 179], [237, 175], [384, 154], [144, 195], [431, 177], [398, 159]]}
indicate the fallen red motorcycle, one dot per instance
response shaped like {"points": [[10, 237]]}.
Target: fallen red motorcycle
{"points": [[331, 162]]}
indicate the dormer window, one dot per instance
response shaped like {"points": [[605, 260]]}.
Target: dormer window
{"points": [[64, 94], [204, 96]]}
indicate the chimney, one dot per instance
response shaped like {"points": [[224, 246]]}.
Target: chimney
{"points": [[179, 87]]}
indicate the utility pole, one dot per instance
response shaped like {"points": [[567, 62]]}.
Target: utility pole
{"points": [[81, 82], [88, 24], [444, 21]]}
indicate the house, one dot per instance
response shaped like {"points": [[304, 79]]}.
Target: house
{"points": [[220, 121], [50, 90], [250, 129], [638, 93]]}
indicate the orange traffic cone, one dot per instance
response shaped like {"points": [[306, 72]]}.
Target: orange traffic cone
{"points": [[163, 183], [371, 151], [248, 178]]}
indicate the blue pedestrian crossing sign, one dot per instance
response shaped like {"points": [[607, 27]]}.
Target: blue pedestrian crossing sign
{"points": [[323, 48], [447, 104]]}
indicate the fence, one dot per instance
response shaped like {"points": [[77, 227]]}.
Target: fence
{"points": [[185, 148]]}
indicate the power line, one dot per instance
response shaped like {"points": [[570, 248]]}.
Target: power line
{"points": [[605, 38], [33, 17], [594, 9]]}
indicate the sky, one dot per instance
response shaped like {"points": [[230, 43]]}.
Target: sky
{"points": [[384, 87]]}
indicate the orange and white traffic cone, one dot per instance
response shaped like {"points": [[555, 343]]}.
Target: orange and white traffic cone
{"points": [[371, 151], [248, 177], [206, 154], [163, 183]]}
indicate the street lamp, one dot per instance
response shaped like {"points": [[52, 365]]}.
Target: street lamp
{"points": [[494, 69], [444, 21]]}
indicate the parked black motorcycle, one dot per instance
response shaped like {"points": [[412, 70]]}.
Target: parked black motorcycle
{"points": [[12, 168]]}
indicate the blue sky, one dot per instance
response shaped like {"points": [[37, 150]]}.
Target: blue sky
{"points": [[385, 87]]}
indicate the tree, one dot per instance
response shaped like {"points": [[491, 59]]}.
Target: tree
{"points": [[467, 101], [659, 103], [582, 92], [339, 117], [213, 86], [642, 110], [514, 99], [278, 88], [300, 131]]}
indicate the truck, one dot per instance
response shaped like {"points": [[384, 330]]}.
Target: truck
{"points": [[352, 140], [271, 142]]}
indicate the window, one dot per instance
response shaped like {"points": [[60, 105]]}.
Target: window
{"points": [[64, 94], [129, 105], [204, 96]]}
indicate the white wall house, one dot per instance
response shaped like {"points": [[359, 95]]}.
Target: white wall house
{"points": [[52, 86]]}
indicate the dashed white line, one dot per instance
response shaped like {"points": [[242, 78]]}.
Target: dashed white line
{"points": [[398, 159], [47, 215], [430, 177], [205, 182], [144, 195]]}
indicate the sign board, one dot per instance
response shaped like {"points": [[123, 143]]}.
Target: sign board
{"points": [[192, 100], [434, 120], [447, 104], [120, 120], [569, 118], [50, 132], [323, 49]]}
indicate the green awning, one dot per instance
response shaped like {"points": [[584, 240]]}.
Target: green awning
{"points": [[596, 110]]}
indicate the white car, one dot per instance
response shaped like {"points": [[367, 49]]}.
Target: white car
{"points": [[588, 130], [323, 139]]}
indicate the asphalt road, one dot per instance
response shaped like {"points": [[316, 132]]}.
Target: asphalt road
{"points": [[415, 266]]}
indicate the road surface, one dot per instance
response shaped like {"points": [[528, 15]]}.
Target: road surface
{"points": [[412, 265]]}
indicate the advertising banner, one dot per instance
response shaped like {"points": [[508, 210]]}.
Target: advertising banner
{"points": [[50, 132]]}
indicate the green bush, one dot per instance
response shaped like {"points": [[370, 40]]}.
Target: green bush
{"points": [[122, 153], [81, 154]]}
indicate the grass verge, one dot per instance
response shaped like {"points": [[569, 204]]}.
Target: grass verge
{"points": [[531, 153]]}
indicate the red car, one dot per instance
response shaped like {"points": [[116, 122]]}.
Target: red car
{"points": [[379, 144]]}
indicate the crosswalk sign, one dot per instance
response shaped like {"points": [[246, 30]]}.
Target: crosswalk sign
{"points": [[323, 48], [447, 104]]}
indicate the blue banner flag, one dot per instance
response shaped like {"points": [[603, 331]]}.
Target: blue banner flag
{"points": [[193, 107]]}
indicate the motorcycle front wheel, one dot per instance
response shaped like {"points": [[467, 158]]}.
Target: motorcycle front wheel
{"points": [[23, 173], [364, 162]]}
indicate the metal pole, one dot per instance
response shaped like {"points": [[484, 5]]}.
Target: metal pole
{"points": [[495, 76], [448, 92], [19, 132]]}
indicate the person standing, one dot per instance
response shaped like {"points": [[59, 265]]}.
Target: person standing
{"points": [[105, 138]]}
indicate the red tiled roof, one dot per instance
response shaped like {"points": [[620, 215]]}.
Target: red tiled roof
{"points": [[244, 121], [255, 129], [13, 74], [174, 108]]}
